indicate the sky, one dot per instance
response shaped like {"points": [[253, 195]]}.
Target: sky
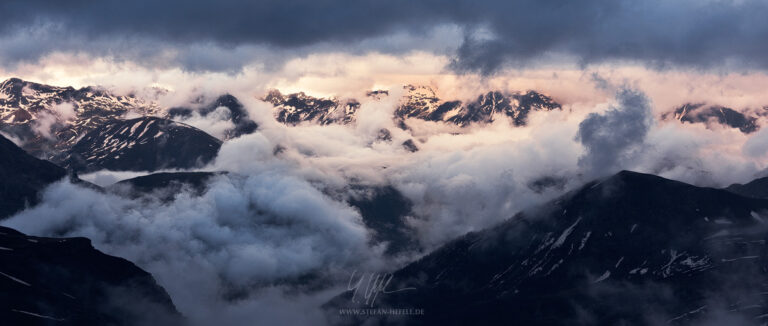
{"points": [[615, 65], [345, 47], [227, 35]]}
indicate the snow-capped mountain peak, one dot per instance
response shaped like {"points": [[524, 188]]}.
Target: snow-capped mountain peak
{"points": [[418, 102], [422, 103], [52, 119], [300, 107], [142, 144]]}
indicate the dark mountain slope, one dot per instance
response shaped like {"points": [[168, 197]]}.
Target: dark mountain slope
{"points": [[164, 186], [142, 144], [703, 113], [633, 249], [384, 210], [757, 188], [22, 177], [46, 281]]}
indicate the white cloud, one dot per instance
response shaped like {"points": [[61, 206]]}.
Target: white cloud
{"points": [[272, 218]]}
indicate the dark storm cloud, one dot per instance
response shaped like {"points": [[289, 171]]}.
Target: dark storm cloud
{"points": [[701, 33], [614, 138], [229, 22]]}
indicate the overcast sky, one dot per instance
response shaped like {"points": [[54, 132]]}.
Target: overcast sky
{"points": [[479, 35]]}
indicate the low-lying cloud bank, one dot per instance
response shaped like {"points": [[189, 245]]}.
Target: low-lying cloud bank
{"points": [[216, 252]]}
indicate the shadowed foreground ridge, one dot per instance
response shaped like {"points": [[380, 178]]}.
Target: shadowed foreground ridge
{"points": [[22, 177], [633, 249], [49, 281]]}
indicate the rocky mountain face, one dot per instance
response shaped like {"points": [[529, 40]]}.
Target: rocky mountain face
{"points": [[703, 113], [419, 102], [296, 108], [51, 119], [422, 103], [22, 177], [632, 249], [142, 144]]}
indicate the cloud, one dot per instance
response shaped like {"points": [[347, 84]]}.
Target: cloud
{"points": [[226, 35], [697, 155], [44, 124], [105, 178], [465, 180], [613, 138], [219, 250], [65, 111], [12, 138], [231, 22], [757, 145], [48, 122], [203, 36], [280, 218], [662, 34], [217, 123]]}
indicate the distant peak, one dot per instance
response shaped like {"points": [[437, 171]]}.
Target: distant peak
{"points": [[377, 93], [636, 180], [420, 90], [13, 80], [227, 100], [10, 82]]}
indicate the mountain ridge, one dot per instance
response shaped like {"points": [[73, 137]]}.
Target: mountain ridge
{"points": [[65, 281], [142, 144], [22, 177], [663, 247]]}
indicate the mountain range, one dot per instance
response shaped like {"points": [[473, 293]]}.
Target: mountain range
{"points": [[746, 122], [671, 251], [629, 249], [632, 249], [51, 119], [419, 102], [58, 123]]}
